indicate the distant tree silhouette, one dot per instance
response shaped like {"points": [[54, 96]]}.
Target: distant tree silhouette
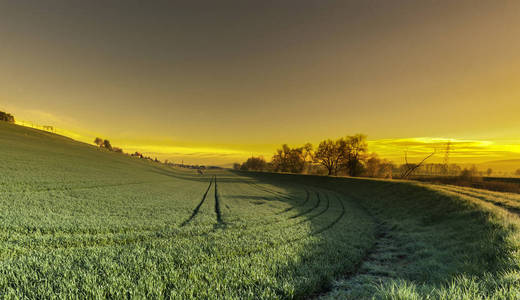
{"points": [[118, 150], [254, 164], [289, 159], [471, 174], [376, 167], [489, 171], [6, 117], [99, 141], [329, 154], [517, 172], [307, 156], [107, 145], [354, 150]]}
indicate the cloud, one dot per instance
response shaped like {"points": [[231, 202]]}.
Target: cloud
{"points": [[460, 149]]}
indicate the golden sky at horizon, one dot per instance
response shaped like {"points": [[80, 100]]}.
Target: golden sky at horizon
{"points": [[219, 82]]}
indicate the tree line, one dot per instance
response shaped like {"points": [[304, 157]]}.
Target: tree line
{"points": [[104, 143], [344, 156], [350, 156]]}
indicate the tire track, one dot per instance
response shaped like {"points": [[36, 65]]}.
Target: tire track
{"points": [[293, 239], [281, 195], [512, 209], [335, 220], [321, 212], [298, 205], [267, 190], [196, 210], [164, 235], [218, 212], [309, 210]]}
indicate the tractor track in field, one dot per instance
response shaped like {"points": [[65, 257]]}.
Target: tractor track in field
{"points": [[152, 232], [295, 239], [218, 212], [297, 205], [21, 247], [343, 211], [164, 236], [281, 195], [318, 231], [196, 210], [290, 218], [327, 206], [512, 209], [310, 209], [276, 193]]}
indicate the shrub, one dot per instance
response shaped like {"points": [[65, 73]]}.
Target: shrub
{"points": [[6, 117]]}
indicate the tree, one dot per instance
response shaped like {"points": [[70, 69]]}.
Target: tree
{"points": [[471, 174], [6, 117], [107, 145], [118, 150], [296, 161], [280, 159], [489, 171], [307, 156], [289, 159], [354, 151], [372, 166], [517, 172], [254, 164], [236, 166], [99, 141], [328, 154], [376, 167]]}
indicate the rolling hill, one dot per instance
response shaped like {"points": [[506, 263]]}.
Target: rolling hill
{"points": [[80, 222]]}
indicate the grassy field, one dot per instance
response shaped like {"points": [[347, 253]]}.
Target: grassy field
{"points": [[77, 221]]}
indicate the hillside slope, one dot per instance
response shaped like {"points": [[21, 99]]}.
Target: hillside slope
{"points": [[80, 221], [77, 220]]}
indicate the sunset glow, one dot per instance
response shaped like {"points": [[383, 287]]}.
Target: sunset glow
{"points": [[245, 80]]}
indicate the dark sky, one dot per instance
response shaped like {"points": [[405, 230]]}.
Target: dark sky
{"points": [[244, 76]]}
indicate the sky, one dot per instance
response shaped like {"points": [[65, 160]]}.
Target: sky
{"points": [[215, 82]]}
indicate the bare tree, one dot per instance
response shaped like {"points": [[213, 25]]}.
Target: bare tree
{"points": [[376, 167], [354, 152], [99, 141], [307, 156], [328, 154], [254, 164], [107, 145], [289, 159]]}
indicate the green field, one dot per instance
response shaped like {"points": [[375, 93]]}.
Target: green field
{"points": [[80, 222]]}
